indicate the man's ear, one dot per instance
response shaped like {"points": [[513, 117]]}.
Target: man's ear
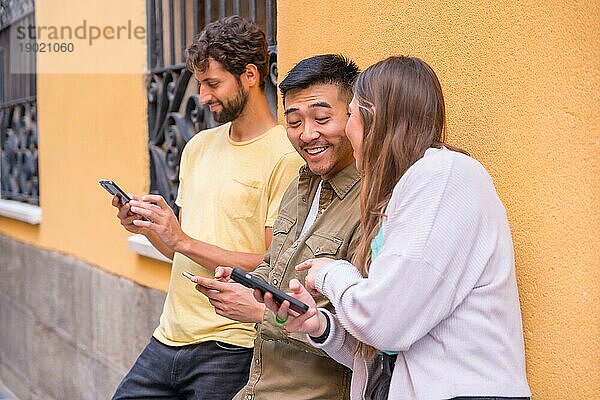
{"points": [[252, 75]]}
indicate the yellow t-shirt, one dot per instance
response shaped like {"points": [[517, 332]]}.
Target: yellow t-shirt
{"points": [[228, 193]]}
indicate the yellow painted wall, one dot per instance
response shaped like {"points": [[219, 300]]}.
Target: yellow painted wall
{"points": [[92, 125], [522, 85]]}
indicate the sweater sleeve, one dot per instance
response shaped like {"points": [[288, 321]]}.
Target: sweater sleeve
{"points": [[436, 243], [339, 344]]}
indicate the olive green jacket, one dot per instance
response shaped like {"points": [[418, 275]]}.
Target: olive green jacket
{"points": [[286, 366]]}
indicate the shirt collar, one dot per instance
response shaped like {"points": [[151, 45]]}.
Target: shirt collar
{"points": [[342, 182]]}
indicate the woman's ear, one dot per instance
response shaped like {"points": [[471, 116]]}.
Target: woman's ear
{"points": [[252, 75]]}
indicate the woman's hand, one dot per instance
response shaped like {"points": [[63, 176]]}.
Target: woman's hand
{"points": [[312, 322], [313, 265]]}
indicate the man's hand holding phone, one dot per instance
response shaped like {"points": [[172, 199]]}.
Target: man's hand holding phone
{"points": [[126, 216], [311, 322], [229, 299], [121, 202], [257, 283], [139, 222], [159, 219]]}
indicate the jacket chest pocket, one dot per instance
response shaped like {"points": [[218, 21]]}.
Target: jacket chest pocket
{"points": [[281, 229], [283, 224], [322, 244]]}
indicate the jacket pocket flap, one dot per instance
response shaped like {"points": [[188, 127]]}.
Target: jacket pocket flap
{"points": [[283, 224], [321, 243]]}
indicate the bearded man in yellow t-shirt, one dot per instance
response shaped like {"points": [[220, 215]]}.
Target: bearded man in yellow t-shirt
{"points": [[231, 181]]}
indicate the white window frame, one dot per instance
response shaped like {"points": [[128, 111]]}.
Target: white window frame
{"points": [[21, 211], [140, 244]]}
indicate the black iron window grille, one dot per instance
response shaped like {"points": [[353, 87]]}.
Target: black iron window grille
{"points": [[175, 113], [18, 117]]}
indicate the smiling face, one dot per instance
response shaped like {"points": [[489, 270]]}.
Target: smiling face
{"points": [[225, 95], [315, 119]]}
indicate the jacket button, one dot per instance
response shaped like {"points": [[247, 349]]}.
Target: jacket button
{"points": [[274, 281], [318, 249]]}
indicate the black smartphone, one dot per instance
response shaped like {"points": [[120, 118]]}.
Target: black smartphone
{"points": [[253, 282], [115, 190]]}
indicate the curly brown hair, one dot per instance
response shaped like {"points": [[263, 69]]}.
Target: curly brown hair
{"points": [[232, 41]]}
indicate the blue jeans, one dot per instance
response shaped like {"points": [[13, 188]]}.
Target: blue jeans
{"points": [[209, 370]]}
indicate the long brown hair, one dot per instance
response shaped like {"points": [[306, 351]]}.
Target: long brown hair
{"points": [[402, 107]]}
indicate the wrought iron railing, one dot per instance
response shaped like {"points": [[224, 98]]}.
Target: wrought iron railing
{"points": [[13, 10], [175, 113], [19, 179], [19, 138]]}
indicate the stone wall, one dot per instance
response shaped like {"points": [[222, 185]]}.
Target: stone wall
{"points": [[68, 330]]}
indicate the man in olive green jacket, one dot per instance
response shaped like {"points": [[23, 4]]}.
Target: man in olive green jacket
{"points": [[319, 216]]}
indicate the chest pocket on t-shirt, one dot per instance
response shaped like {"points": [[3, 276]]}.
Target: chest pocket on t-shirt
{"points": [[242, 197], [322, 244]]}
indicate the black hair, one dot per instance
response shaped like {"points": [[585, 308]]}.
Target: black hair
{"points": [[323, 69]]}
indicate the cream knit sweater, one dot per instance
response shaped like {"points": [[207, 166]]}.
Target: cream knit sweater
{"points": [[442, 292]]}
